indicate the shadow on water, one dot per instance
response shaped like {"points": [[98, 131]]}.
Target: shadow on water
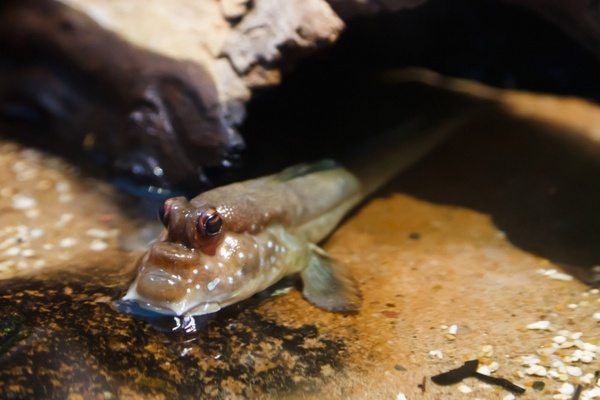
{"points": [[541, 189], [61, 333]]}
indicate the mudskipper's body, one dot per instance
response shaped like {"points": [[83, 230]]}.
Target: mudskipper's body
{"points": [[229, 243]]}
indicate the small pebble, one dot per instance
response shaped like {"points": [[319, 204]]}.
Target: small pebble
{"points": [[464, 388], [11, 241], [68, 242], [108, 396], [64, 219], [554, 274], [509, 396], [586, 359], [536, 370], [547, 351], [33, 213], [587, 379], [566, 345], [484, 370], [592, 393], [98, 245], [36, 233], [596, 316], [20, 202], [487, 350], [13, 252], [43, 185], [559, 339], [584, 346], [494, 366], [574, 371], [453, 329], [5, 265], [539, 325], [560, 276], [62, 186], [576, 335], [538, 385], [529, 360], [28, 253], [65, 198], [98, 233], [553, 374], [566, 389], [436, 353], [401, 396], [26, 175]]}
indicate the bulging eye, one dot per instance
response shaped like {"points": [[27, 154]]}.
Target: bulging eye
{"points": [[210, 222], [163, 212]]}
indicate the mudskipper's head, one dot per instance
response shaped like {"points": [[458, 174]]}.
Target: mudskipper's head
{"points": [[179, 272]]}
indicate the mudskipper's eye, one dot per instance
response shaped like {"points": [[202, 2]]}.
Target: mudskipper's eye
{"points": [[210, 222], [163, 212]]}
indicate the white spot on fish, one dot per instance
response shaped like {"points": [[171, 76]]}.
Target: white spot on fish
{"points": [[195, 272], [283, 249], [206, 267], [276, 248], [220, 264], [239, 272], [241, 255], [250, 256], [213, 284], [188, 290], [272, 259], [269, 244], [230, 280], [189, 281], [197, 287]]}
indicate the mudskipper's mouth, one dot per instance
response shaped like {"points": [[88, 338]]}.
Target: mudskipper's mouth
{"points": [[174, 280], [159, 278]]}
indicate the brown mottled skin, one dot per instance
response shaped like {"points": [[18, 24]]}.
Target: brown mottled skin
{"points": [[232, 242]]}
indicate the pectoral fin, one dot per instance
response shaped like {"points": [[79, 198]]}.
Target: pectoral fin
{"points": [[328, 284]]}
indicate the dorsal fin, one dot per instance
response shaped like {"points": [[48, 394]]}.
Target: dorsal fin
{"points": [[298, 170]]}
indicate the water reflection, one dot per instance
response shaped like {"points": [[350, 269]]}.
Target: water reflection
{"points": [[77, 333]]}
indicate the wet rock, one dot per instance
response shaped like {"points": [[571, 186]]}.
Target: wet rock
{"points": [[64, 336], [82, 91]]}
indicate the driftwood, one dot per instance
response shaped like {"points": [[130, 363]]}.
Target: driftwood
{"points": [[154, 91], [240, 42]]}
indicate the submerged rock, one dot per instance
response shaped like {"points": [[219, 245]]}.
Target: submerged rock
{"points": [[63, 336]]}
